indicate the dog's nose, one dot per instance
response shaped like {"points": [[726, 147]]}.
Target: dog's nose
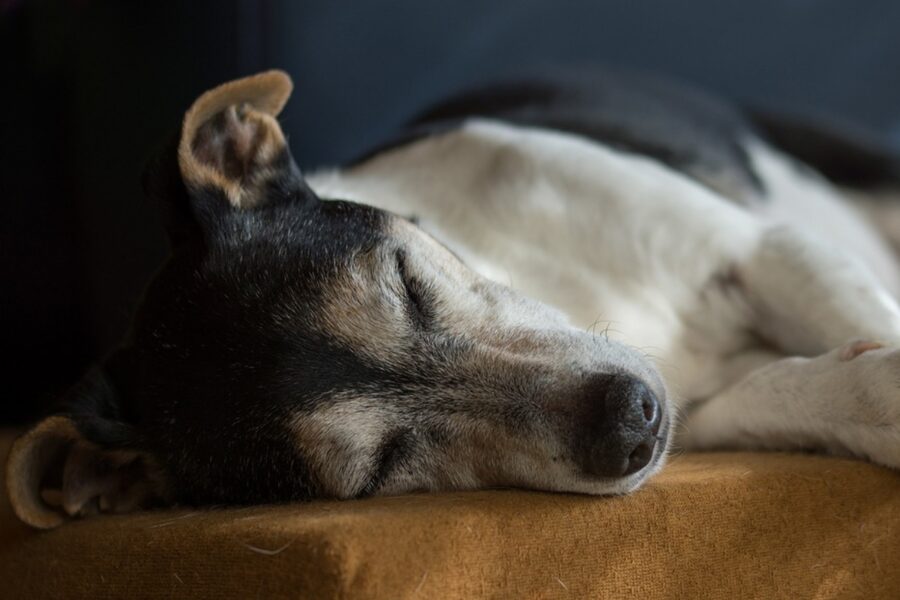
{"points": [[621, 420]]}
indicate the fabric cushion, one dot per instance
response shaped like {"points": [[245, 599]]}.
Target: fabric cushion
{"points": [[710, 525]]}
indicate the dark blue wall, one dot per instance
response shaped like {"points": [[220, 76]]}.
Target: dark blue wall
{"points": [[362, 66]]}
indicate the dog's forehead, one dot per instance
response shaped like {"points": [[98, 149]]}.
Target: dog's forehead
{"points": [[326, 232], [263, 278], [310, 303], [281, 252]]}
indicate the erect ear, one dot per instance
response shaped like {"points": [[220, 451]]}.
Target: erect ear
{"points": [[55, 472], [231, 140]]}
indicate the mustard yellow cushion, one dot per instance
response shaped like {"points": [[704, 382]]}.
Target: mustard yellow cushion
{"points": [[734, 525]]}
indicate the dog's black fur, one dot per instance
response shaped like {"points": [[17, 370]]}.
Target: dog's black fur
{"points": [[685, 128], [221, 340]]}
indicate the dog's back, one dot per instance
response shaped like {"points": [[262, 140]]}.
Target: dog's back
{"points": [[591, 190]]}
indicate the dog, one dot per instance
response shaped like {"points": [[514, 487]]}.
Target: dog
{"points": [[540, 284]]}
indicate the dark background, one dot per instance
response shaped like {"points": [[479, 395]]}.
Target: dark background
{"points": [[90, 87]]}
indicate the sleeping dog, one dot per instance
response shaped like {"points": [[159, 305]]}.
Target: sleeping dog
{"points": [[539, 284]]}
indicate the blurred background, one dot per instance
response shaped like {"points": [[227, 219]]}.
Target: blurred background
{"points": [[89, 88]]}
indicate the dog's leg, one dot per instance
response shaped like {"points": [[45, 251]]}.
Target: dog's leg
{"points": [[846, 401], [841, 396], [809, 297]]}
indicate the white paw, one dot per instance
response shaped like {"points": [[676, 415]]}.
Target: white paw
{"points": [[844, 402], [863, 406]]}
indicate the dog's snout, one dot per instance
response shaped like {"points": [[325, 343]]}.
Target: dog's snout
{"points": [[651, 408], [621, 422]]}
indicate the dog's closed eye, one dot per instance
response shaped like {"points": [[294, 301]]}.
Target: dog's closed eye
{"points": [[419, 304], [389, 456]]}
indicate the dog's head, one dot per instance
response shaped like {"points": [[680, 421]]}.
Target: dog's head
{"points": [[298, 347]]}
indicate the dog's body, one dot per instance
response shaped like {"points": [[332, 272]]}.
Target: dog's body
{"points": [[657, 229], [639, 209]]}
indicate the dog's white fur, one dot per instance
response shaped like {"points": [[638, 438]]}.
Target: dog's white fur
{"points": [[749, 314]]}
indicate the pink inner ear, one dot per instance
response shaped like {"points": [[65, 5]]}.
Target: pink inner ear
{"points": [[229, 142], [230, 135], [86, 477], [97, 480]]}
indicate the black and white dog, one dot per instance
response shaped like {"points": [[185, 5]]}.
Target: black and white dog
{"points": [[524, 289]]}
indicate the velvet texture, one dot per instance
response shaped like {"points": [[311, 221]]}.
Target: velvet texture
{"points": [[729, 525]]}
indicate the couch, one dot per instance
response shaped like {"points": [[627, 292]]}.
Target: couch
{"points": [[717, 525]]}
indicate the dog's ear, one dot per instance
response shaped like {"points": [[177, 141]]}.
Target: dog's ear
{"points": [[231, 141], [231, 153], [81, 461]]}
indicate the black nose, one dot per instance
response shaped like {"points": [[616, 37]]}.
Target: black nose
{"points": [[619, 421]]}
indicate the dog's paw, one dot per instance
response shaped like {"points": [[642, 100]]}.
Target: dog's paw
{"points": [[844, 402], [863, 410]]}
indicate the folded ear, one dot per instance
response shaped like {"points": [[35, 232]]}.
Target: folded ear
{"points": [[54, 472], [231, 140]]}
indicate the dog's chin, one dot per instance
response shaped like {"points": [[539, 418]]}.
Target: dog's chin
{"points": [[624, 485], [607, 486]]}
